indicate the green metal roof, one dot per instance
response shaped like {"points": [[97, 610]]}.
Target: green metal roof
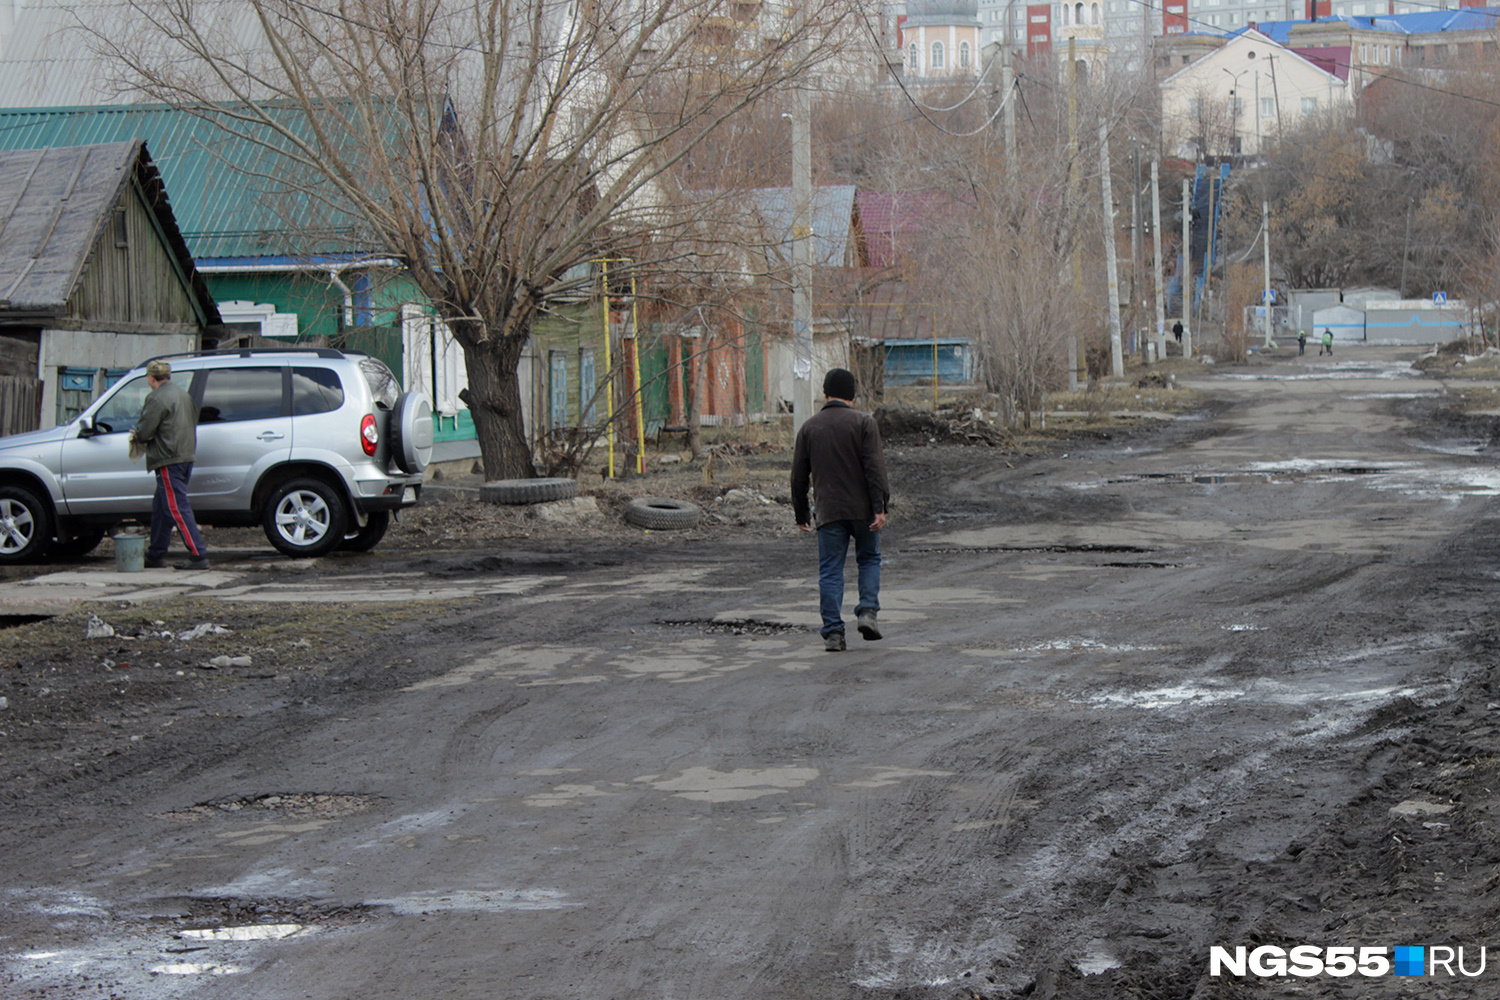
{"points": [[232, 196]]}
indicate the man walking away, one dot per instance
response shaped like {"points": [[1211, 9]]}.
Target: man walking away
{"points": [[169, 430], [1327, 343], [838, 452]]}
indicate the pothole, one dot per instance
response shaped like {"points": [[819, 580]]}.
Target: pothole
{"points": [[16, 621], [235, 918], [747, 626], [290, 804], [1142, 565]]}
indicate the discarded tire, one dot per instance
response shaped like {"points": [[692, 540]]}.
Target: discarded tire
{"points": [[662, 514], [528, 490]]}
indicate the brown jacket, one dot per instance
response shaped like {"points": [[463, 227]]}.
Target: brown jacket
{"points": [[838, 452]]}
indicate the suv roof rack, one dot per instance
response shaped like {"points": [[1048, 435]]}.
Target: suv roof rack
{"points": [[246, 352]]}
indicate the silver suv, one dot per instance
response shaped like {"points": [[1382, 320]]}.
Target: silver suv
{"points": [[317, 446]]}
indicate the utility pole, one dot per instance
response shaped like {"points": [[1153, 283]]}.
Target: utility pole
{"points": [[1111, 264], [1135, 240], [1187, 268], [802, 341], [1265, 233], [1161, 297], [1208, 249], [1072, 202], [1007, 84]]}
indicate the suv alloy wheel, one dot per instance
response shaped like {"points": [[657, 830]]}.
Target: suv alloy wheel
{"points": [[305, 518]]}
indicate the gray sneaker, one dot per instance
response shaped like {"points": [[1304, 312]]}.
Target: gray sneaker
{"points": [[833, 642], [867, 626]]}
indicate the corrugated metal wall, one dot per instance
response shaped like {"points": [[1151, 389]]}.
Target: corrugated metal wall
{"points": [[908, 362]]}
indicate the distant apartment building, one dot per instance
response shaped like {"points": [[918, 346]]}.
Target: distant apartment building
{"points": [[1120, 35]]}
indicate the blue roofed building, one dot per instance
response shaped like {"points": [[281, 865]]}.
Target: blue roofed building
{"points": [[282, 260]]}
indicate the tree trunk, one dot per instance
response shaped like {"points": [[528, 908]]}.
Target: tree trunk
{"points": [[494, 399]]}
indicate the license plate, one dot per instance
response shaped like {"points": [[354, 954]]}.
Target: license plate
{"points": [[409, 495]]}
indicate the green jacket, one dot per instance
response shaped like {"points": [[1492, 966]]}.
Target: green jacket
{"points": [[168, 426]]}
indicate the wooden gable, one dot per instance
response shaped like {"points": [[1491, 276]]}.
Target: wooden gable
{"points": [[132, 281]]}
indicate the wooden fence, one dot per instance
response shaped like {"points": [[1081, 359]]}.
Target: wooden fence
{"points": [[20, 404]]}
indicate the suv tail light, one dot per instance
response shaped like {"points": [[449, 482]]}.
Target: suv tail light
{"points": [[369, 434]]}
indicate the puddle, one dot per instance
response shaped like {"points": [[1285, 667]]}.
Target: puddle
{"points": [[1411, 478], [1166, 697], [254, 932], [475, 901], [1264, 472], [1099, 958], [173, 936], [196, 969], [1474, 446], [1078, 645]]}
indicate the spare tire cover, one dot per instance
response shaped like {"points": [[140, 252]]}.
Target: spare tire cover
{"points": [[411, 432]]}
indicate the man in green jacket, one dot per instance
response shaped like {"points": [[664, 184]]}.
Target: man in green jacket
{"points": [[838, 453], [168, 429]]}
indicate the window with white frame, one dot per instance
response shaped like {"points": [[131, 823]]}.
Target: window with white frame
{"points": [[1195, 106], [937, 55], [911, 58], [1309, 105], [964, 60], [1268, 107]]}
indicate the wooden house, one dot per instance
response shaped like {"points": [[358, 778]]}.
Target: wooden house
{"points": [[95, 276]]}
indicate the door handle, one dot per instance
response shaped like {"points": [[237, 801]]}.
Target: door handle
{"points": [[270, 436]]}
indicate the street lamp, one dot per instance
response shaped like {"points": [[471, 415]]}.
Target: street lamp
{"points": [[1234, 109]]}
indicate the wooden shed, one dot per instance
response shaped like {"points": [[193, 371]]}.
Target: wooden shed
{"points": [[94, 275]]}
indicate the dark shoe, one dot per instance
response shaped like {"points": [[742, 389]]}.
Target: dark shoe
{"points": [[833, 642], [199, 563], [158, 563], [867, 626]]}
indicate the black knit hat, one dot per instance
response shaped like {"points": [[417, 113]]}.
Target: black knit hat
{"points": [[839, 384]]}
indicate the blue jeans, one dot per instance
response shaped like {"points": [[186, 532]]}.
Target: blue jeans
{"points": [[833, 550]]}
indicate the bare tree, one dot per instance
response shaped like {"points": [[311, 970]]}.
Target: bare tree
{"points": [[496, 147]]}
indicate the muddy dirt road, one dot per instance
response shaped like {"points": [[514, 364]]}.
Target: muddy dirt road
{"points": [[1134, 701]]}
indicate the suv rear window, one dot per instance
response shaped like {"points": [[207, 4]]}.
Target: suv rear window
{"points": [[383, 385], [316, 390], [231, 394]]}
